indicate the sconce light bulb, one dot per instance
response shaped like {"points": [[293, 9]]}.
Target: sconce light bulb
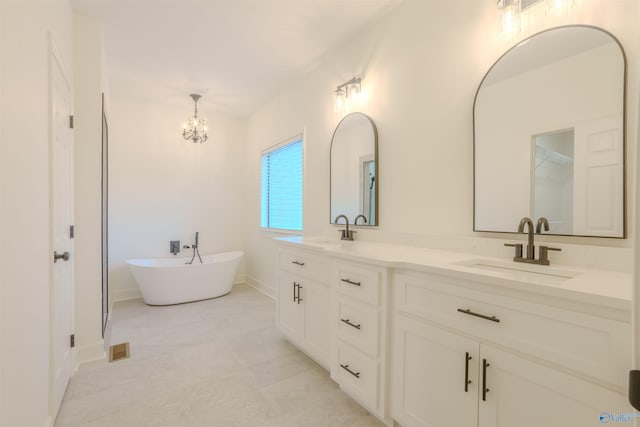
{"points": [[558, 6]]}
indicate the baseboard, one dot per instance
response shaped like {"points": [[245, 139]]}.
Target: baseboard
{"points": [[260, 286], [240, 280], [90, 353], [125, 294]]}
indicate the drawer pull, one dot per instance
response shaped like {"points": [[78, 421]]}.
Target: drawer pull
{"points": [[482, 316], [351, 282], [467, 381], [297, 263], [346, 368], [485, 389], [349, 323], [299, 299]]}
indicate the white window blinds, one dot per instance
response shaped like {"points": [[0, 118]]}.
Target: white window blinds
{"points": [[282, 169]]}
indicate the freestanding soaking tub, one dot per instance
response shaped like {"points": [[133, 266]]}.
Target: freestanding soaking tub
{"points": [[165, 281]]}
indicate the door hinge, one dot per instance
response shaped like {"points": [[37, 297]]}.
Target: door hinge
{"points": [[72, 232], [71, 122], [72, 340]]}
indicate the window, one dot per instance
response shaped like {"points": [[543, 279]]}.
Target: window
{"points": [[281, 204]]}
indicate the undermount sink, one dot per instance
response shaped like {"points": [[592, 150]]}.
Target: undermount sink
{"points": [[521, 271], [321, 241]]}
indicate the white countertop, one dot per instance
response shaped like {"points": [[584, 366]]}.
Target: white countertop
{"points": [[598, 287]]}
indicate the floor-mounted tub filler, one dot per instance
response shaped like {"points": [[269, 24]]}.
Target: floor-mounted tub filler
{"points": [[165, 281]]}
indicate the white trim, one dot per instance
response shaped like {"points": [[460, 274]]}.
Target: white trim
{"points": [[266, 230], [279, 145], [261, 287], [90, 353], [124, 295]]}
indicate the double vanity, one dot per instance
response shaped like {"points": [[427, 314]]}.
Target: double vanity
{"points": [[423, 337], [430, 338]]}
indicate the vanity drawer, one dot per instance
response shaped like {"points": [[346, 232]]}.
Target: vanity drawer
{"points": [[357, 374], [360, 283], [592, 345], [305, 264], [358, 325]]}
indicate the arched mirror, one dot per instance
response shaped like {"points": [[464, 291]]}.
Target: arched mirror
{"points": [[549, 135], [354, 170]]}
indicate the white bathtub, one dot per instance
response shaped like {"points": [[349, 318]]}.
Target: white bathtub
{"points": [[165, 281]]}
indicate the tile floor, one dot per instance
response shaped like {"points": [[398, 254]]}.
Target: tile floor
{"points": [[220, 362]]}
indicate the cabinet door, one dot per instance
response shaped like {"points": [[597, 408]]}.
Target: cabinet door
{"points": [[316, 324], [288, 307], [525, 394], [428, 378]]}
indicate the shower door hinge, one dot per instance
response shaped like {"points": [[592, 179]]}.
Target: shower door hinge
{"points": [[72, 232], [72, 340], [70, 122]]}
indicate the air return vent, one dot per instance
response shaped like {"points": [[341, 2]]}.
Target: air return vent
{"points": [[119, 352]]}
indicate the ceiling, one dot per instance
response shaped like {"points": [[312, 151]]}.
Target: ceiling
{"points": [[236, 53]]}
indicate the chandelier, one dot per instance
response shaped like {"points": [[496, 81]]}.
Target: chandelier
{"points": [[195, 130]]}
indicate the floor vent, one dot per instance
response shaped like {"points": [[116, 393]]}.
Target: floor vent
{"points": [[119, 352]]}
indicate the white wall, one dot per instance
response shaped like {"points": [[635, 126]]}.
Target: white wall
{"points": [[25, 255], [164, 188], [89, 86], [422, 65]]}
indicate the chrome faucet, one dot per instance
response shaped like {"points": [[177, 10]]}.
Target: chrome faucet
{"points": [[345, 234], [364, 218], [543, 253]]}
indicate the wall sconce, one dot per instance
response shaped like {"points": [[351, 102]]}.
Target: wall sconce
{"points": [[509, 20], [347, 94], [195, 130]]}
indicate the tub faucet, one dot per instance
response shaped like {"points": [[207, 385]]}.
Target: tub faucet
{"points": [[345, 234], [195, 251], [364, 219]]}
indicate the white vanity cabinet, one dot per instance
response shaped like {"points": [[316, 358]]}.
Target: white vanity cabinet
{"points": [[465, 355], [304, 302], [359, 325]]}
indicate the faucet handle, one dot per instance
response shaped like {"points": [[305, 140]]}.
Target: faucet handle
{"points": [[544, 254], [518, 247], [344, 235]]}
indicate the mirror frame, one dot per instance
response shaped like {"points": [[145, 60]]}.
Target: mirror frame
{"points": [[376, 160], [624, 131]]}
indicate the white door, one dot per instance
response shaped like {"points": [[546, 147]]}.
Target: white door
{"points": [[525, 394], [61, 220], [316, 303], [598, 178], [288, 306], [434, 377]]}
